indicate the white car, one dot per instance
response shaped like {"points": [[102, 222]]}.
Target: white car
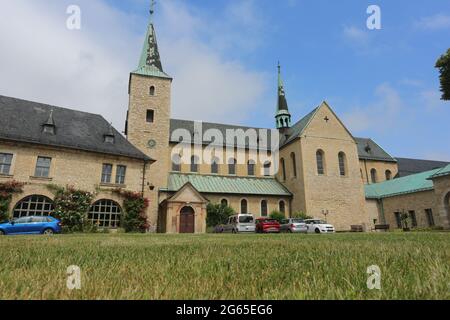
{"points": [[319, 226], [240, 223]]}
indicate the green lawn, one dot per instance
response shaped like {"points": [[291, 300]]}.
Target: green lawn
{"points": [[414, 266]]}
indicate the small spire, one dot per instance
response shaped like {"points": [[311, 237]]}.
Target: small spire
{"points": [[50, 120], [49, 125], [283, 117]]}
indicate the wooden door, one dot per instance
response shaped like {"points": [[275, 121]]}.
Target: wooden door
{"points": [[187, 220]]}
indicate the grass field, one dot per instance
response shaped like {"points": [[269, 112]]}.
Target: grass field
{"points": [[413, 266]]}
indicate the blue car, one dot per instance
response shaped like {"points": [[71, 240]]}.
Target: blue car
{"points": [[31, 225]]}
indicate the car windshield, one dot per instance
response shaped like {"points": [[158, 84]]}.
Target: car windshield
{"points": [[297, 221], [246, 219], [269, 220], [319, 222]]}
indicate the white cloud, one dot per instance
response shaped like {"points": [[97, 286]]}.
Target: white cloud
{"points": [[356, 35], [431, 99], [42, 60], [379, 116], [436, 22]]}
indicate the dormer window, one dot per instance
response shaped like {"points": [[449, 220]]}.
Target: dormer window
{"points": [[109, 139], [49, 126], [110, 136], [368, 148]]}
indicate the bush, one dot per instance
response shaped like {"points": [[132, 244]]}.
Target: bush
{"points": [[7, 189], [277, 216], [135, 216], [218, 214], [71, 208], [301, 215]]}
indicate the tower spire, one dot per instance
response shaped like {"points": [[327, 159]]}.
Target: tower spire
{"points": [[282, 116]]}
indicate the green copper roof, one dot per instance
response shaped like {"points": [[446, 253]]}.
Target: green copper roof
{"points": [[410, 184], [150, 61], [445, 171], [228, 185]]}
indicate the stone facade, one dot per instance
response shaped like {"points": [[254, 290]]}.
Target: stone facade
{"points": [[80, 169], [381, 167]]}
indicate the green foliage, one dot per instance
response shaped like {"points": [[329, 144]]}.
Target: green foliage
{"points": [[301, 215], [443, 64], [277, 216], [134, 206], [7, 189], [71, 208], [218, 214]]}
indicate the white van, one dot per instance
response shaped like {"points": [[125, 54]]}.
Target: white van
{"points": [[240, 223]]}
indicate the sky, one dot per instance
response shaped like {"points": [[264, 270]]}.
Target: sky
{"points": [[223, 56]]}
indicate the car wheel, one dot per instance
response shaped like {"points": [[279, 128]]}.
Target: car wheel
{"points": [[234, 231], [48, 232], [317, 230], [2, 233]]}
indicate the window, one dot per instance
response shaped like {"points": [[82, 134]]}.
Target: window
{"points": [[194, 164], [398, 219], [244, 206], [412, 215], [294, 164], [150, 116], [43, 167], [251, 168], [282, 206], [215, 166], [105, 214], [267, 167], [34, 205], [176, 163], [320, 162], [388, 175], [5, 163], [120, 174], [430, 218], [283, 169], [373, 175], [224, 202], [342, 164], [264, 208], [107, 173], [152, 90], [232, 166]]}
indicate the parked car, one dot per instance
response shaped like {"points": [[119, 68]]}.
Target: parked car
{"points": [[267, 225], [294, 225], [31, 225], [319, 226], [240, 223]]}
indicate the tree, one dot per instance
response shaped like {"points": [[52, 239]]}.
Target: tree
{"points": [[443, 64], [218, 214], [301, 215]]}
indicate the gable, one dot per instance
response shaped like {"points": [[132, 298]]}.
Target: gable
{"points": [[188, 194], [325, 123]]}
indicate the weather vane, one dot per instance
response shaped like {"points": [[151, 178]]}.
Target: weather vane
{"points": [[152, 7]]}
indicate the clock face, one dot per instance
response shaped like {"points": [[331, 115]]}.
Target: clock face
{"points": [[151, 144]]}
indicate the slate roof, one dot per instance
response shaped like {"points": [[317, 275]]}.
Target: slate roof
{"points": [[23, 120], [407, 167], [410, 184], [228, 185], [370, 150]]}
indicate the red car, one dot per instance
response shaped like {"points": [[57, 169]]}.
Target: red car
{"points": [[267, 225]]}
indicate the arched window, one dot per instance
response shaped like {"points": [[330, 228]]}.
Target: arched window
{"points": [[232, 166], [194, 164], [264, 209], [320, 162], [244, 206], [282, 206], [388, 175], [215, 166], [267, 167], [294, 164], [342, 164], [105, 214], [176, 163], [251, 167], [224, 202], [373, 175], [34, 205], [152, 90], [283, 169]]}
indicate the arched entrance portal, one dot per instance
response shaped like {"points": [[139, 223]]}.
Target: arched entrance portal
{"points": [[187, 220]]}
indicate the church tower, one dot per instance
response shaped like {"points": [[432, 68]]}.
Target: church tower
{"points": [[148, 117], [282, 117]]}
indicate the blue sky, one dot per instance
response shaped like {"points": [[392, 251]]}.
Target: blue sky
{"points": [[223, 57]]}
